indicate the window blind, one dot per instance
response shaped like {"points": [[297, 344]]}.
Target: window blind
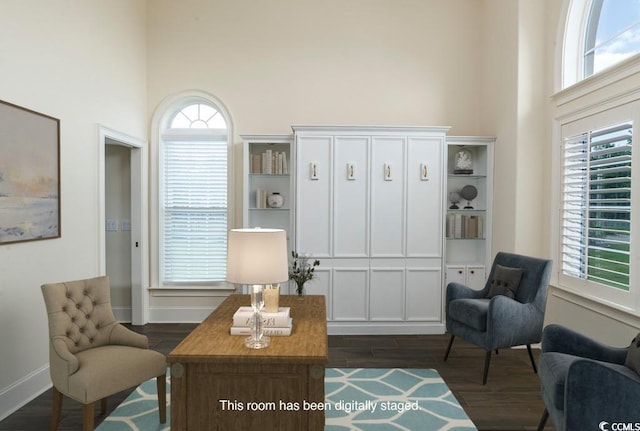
{"points": [[194, 211], [596, 205]]}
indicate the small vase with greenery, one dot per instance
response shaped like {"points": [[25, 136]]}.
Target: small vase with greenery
{"points": [[301, 270]]}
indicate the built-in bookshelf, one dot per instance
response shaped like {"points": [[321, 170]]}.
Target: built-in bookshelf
{"points": [[468, 221], [267, 164]]}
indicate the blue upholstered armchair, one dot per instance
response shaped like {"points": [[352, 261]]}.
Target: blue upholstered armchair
{"points": [[585, 384], [508, 311]]}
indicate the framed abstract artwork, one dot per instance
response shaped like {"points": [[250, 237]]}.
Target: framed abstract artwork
{"points": [[29, 175]]}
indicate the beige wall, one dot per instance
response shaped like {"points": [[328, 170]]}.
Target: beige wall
{"points": [[499, 112], [517, 89], [284, 62], [84, 63]]}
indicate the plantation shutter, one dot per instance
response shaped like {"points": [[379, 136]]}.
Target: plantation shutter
{"points": [[195, 211], [596, 206]]}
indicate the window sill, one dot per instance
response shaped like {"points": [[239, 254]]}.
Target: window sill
{"points": [[221, 290], [595, 304]]}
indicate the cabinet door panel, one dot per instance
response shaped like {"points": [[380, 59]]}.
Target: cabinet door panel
{"points": [[313, 203], [424, 197], [386, 294], [387, 197], [350, 293], [476, 277], [319, 285], [424, 294], [351, 197], [456, 274]]}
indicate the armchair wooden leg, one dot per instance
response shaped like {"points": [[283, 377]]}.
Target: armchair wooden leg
{"points": [[543, 420], [161, 383], [533, 363], [56, 407], [103, 406], [87, 417], [446, 355], [487, 360]]}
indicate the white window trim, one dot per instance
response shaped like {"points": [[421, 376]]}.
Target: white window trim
{"points": [[159, 121], [623, 300], [574, 42], [597, 102]]}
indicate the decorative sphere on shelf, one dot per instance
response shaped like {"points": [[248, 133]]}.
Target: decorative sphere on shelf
{"points": [[469, 193]]}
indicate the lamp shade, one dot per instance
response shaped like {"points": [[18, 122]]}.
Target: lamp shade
{"points": [[257, 256]]}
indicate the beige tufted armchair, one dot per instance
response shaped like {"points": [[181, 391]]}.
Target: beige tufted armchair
{"points": [[91, 355]]}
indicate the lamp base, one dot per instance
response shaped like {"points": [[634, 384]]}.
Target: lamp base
{"points": [[259, 343]]}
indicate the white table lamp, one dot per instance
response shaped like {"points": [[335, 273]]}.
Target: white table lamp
{"points": [[257, 257]]}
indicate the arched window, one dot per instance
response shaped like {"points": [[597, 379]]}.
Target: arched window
{"points": [[193, 191], [595, 242], [612, 34], [599, 34]]}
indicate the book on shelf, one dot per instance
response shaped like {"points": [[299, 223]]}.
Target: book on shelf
{"points": [[261, 198], [282, 319], [463, 226], [269, 162]]}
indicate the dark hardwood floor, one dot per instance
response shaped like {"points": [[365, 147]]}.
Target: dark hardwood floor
{"points": [[509, 402]]}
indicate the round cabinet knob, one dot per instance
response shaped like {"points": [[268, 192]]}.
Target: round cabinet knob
{"points": [[275, 200], [472, 271], [459, 271]]}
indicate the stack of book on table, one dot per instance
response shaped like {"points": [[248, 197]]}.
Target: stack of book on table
{"points": [[274, 324]]}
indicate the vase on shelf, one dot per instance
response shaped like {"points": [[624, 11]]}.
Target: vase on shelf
{"points": [[275, 200]]}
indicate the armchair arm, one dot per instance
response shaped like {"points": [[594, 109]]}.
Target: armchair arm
{"points": [[63, 362], [460, 291], [557, 338], [512, 323], [123, 336], [597, 392]]}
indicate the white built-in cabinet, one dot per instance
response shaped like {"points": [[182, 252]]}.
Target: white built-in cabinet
{"points": [[372, 204], [369, 205], [468, 228]]}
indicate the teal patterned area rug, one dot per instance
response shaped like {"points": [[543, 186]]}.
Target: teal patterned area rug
{"points": [[356, 399]]}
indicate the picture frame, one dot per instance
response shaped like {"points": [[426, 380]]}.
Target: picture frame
{"points": [[29, 175]]}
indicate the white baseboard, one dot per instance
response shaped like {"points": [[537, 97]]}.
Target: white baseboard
{"points": [[24, 390], [122, 314], [384, 328]]}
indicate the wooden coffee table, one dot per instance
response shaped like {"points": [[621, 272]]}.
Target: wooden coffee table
{"points": [[219, 384]]}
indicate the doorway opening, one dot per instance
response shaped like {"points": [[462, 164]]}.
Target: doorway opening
{"points": [[123, 229]]}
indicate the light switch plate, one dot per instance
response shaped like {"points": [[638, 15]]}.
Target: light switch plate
{"points": [[112, 225]]}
